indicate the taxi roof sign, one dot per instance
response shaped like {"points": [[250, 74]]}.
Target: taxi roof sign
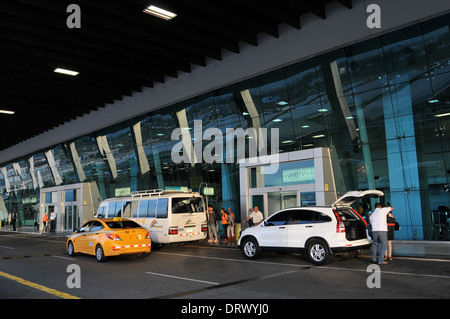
{"points": [[117, 219]]}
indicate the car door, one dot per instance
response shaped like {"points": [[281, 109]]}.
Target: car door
{"points": [[92, 236], [80, 241], [273, 233], [299, 228]]}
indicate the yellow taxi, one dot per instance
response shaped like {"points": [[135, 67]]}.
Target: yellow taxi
{"points": [[109, 237]]}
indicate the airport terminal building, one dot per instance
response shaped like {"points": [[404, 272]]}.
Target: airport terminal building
{"points": [[342, 104]]}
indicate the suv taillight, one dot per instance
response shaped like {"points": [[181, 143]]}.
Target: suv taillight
{"points": [[340, 227]]}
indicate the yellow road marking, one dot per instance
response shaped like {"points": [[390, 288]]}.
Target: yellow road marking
{"points": [[39, 287]]}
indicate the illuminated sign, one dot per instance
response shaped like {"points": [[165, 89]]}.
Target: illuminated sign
{"points": [[299, 175]]}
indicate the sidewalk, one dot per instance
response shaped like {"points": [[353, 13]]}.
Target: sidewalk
{"points": [[401, 248]]}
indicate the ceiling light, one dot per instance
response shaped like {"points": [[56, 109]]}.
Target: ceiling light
{"points": [[66, 72], [305, 126], [432, 101], [7, 112], [277, 120], [160, 134], [308, 145], [160, 13], [282, 103], [322, 110], [318, 136], [349, 118], [442, 115], [288, 141]]}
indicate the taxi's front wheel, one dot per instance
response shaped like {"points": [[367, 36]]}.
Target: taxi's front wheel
{"points": [[99, 253], [70, 249]]}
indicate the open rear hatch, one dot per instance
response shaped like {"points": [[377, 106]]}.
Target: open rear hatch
{"points": [[355, 225]]}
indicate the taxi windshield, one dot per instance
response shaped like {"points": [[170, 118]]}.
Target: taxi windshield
{"points": [[122, 224]]}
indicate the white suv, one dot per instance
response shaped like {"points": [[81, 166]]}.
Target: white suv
{"points": [[317, 231]]}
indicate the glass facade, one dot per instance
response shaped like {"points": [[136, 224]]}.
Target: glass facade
{"points": [[382, 106]]}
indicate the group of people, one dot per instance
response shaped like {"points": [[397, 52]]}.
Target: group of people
{"points": [[383, 227], [228, 220], [49, 223]]}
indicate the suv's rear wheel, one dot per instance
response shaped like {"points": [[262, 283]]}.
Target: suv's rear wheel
{"points": [[251, 248], [318, 251]]}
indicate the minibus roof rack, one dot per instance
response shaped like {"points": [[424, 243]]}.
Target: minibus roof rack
{"points": [[157, 192]]}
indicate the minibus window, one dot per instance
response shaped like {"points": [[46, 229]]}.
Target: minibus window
{"points": [[126, 209], [188, 205], [162, 208], [152, 208], [134, 208], [143, 208], [111, 209], [101, 212]]}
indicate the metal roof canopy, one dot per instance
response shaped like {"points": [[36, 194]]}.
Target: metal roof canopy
{"points": [[118, 50]]}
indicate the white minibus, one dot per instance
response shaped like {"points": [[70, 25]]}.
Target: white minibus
{"points": [[170, 216]]}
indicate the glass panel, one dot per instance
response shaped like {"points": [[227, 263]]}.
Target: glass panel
{"points": [[143, 207], [163, 204], [152, 208], [405, 56], [436, 34], [308, 199]]}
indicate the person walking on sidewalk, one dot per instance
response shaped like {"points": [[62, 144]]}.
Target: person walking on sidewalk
{"points": [[230, 229], [14, 220], [378, 219], [212, 225]]}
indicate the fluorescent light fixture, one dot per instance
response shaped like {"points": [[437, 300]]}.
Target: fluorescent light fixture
{"points": [[318, 136], [277, 120], [282, 103], [305, 126], [322, 110], [442, 115], [288, 141], [432, 101], [308, 145], [160, 13], [66, 72], [7, 112], [244, 113], [160, 134], [349, 118]]}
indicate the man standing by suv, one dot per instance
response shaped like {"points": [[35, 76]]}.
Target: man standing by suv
{"points": [[378, 219]]}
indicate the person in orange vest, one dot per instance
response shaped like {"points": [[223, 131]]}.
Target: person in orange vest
{"points": [[45, 222], [224, 221]]}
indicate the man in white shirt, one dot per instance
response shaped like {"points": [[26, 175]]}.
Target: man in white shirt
{"points": [[256, 216], [378, 220]]}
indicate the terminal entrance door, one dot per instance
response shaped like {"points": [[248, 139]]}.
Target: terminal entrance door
{"points": [[71, 217], [281, 200]]}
